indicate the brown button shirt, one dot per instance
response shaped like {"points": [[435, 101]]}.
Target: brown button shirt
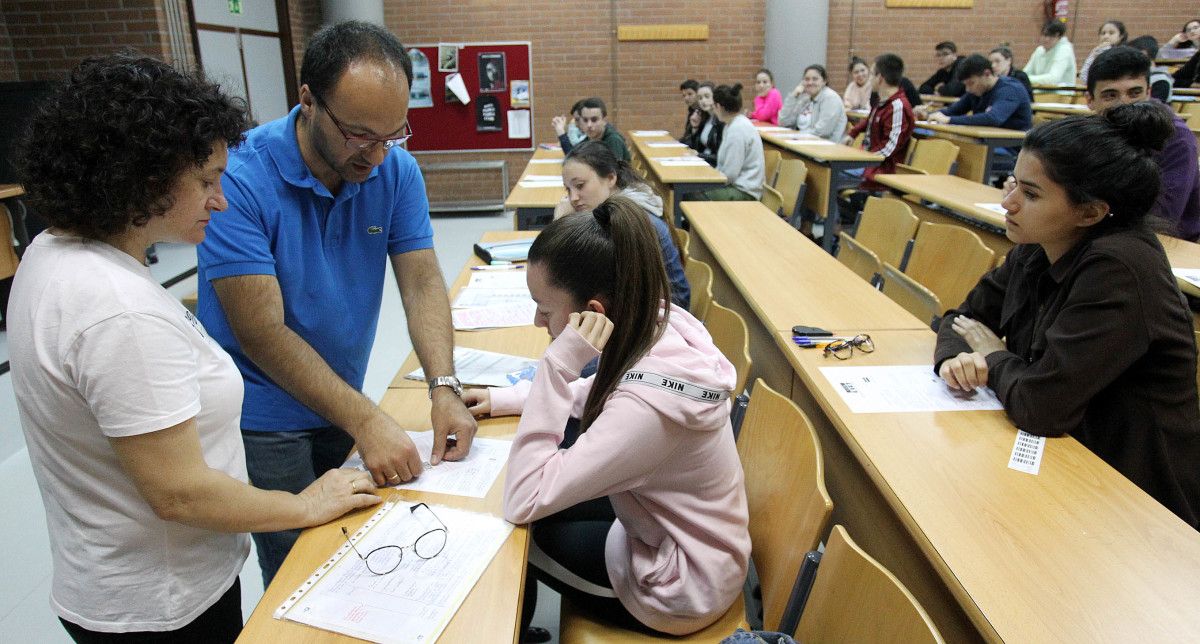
{"points": [[1100, 345]]}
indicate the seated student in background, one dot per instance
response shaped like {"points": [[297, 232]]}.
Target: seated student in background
{"points": [[945, 81], [991, 100], [591, 174], [1098, 342], [706, 129], [570, 128], [593, 120], [1186, 38], [1001, 59], [1053, 62], [687, 91], [647, 508], [740, 157], [1186, 75], [1121, 75], [815, 108], [1161, 82], [1112, 33], [767, 101], [906, 86], [890, 125], [858, 93]]}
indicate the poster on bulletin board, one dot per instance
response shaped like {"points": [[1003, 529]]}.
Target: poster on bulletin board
{"points": [[498, 79]]}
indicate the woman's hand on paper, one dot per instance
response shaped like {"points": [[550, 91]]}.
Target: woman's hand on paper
{"points": [[337, 492]]}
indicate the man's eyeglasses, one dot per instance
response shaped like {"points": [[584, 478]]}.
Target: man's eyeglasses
{"points": [[843, 349], [385, 559], [364, 142]]}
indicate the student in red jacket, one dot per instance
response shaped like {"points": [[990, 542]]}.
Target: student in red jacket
{"points": [[890, 123]]}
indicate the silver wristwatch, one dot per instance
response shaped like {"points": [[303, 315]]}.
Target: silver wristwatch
{"points": [[445, 381]]}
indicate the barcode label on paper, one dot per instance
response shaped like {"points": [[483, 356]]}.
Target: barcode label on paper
{"points": [[1027, 453]]}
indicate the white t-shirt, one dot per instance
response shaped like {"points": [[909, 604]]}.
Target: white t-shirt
{"points": [[99, 351]]}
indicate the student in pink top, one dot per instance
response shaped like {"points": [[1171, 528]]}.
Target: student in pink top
{"points": [[767, 101], [642, 520]]}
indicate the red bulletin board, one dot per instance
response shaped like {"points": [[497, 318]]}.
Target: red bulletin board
{"points": [[450, 127]]}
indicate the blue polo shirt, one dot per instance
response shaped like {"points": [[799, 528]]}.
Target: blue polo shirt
{"points": [[328, 253], [1005, 105]]}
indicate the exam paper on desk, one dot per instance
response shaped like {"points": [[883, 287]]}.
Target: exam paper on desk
{"points": [[412, 604], [486, 368], [472, 476], [514, 279], [494, 317], [474, 298], [907, 388]]}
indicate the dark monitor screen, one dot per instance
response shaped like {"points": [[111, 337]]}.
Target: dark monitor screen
{"points": [[18, 100]]}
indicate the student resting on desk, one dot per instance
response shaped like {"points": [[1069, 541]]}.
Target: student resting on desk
{"points": [[945, 81], [1053, 62], [687, 91], [1121, 75], [890, 125], [1162, 84], [1112, 33], [1001, 59], [642, 521], [591, 174], [1098, 342], [740, 158], [706, 128], [767, 101], [1189, 38], [593, 120], [858, 93], [993, 101], [815, 108]]}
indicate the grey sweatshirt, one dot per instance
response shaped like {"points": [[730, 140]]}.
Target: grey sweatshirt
{"points": [[828, 114], [740, 158]]}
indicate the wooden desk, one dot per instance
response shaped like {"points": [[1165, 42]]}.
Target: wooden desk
{"points": [[992, 554], [937, 99], [776, 278], [977, 146], [534, 207], [1059, 110], [1186, 91], [825, 163], [674, 181], [492, 611]]}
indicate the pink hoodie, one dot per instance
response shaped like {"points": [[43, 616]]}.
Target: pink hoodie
{"points": [[766, 108], [678, 552]]}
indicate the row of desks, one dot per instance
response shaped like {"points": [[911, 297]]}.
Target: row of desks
{"points": [[492, 610], [1075, 553]]}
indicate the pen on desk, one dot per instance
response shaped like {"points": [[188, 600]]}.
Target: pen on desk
{"points": [[817, 341], [499, 267]]}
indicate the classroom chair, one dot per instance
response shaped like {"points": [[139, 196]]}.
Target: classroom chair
{"points": [[700, 279], [772, 200], [855, 599], [789, 510], [910, 294], [683, 241], [858, 258], [771, 159], [790, 184], [929, 156], [1193, 120], [948, 260], [732, 337], [887, 227]]}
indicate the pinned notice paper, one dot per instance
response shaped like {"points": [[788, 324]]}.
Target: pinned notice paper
{"points": [[455, 84], [518, 124], [1027, 453], [908, 388]]}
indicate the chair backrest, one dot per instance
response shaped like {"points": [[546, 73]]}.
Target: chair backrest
{"points": [[771, 159], [910, 294], [858, 258], [8, 255], [886, 226], [772, 199], [792, 173], [949, 260], [683, 241], [934, 156], [785, 490], [1193, 120], [855, 599], [732, 338], [700, 279]]}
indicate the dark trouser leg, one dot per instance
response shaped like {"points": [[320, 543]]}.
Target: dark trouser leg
{"points": [[221, 623]]}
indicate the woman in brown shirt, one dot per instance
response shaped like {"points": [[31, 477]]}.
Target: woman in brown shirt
{"points": [[1098, 342]]}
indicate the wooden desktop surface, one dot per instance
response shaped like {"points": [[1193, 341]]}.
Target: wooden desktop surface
{"points": [[822, 152], [1074, 553], [973, 131], [673, 174], [954, 192], [1067, 109], [548, 197], [491, 612], [938, 99]]}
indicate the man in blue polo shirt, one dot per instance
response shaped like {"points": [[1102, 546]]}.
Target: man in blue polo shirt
{"points": [[991, 100], [291, 275]]}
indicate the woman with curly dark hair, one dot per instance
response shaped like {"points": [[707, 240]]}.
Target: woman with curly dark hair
{"points": [[129, 409]]}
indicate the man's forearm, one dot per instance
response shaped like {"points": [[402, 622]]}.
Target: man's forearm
{"points": [[430, 327]]}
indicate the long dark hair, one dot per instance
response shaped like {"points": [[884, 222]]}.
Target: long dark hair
{"points": [[1108, 158], [589, 256], [600, 158]]}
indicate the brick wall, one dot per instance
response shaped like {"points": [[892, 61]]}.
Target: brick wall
{"points": [[8, 66], [911, 33], [573, 56]]}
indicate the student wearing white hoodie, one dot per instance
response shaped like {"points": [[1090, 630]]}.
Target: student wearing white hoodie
{"points": [[655, 437]]}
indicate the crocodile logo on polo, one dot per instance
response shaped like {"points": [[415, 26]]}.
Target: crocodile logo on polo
{"points": [[374, 230]]}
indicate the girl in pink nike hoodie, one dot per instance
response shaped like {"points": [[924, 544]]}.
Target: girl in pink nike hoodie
{"points": [[655, 439]]}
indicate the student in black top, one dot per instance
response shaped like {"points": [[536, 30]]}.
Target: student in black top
{"points": [[707, 129], [906, 86], [687, 91], [1001, 59], [944, 81], [1161, 83], [1098, 342]]}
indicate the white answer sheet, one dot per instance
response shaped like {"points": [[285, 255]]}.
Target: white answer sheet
{"points": [[474, 298], [494, 317], [472, 476], [907, 388], [486, 368]]}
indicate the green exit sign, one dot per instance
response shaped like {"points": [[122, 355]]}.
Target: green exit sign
{"points": [[235, 7]]}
